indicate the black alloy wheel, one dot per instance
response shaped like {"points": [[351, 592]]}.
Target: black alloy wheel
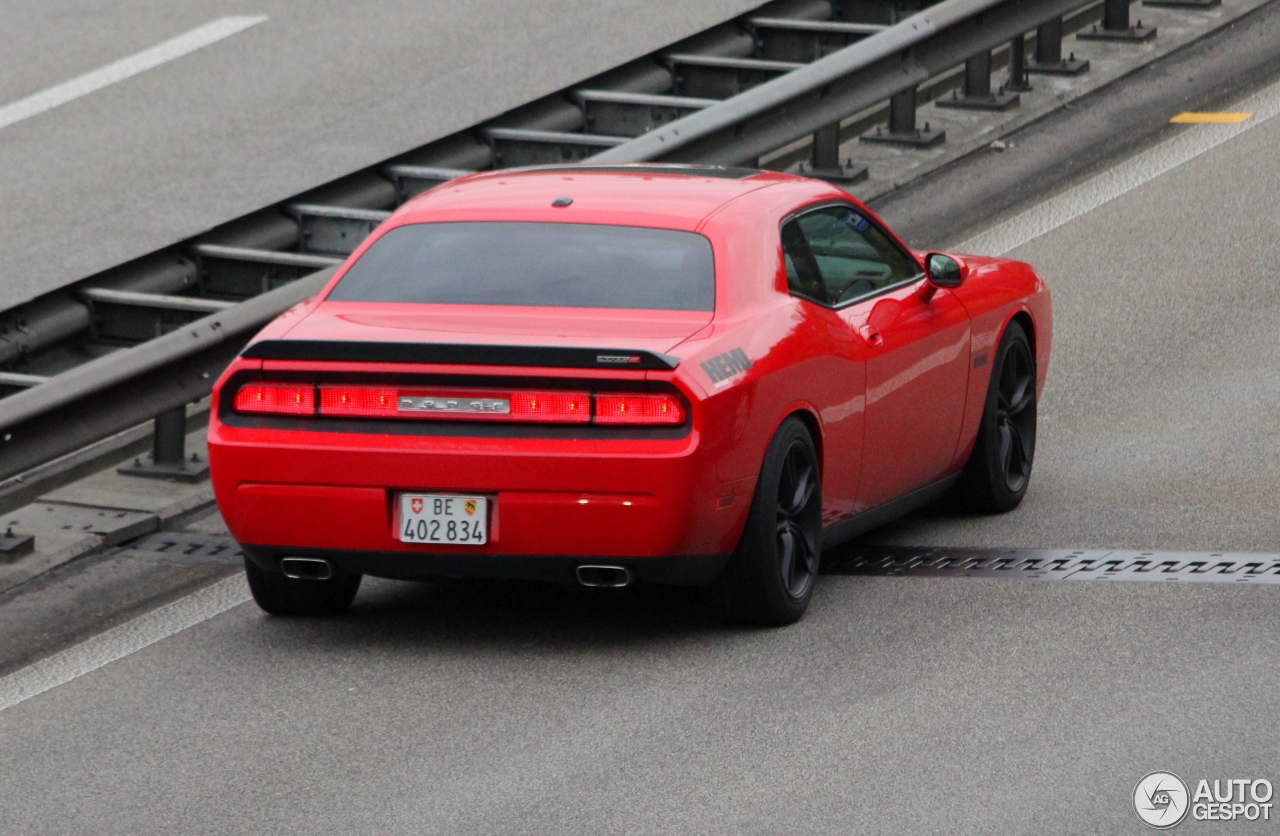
{"points": [[797, 546], [996, 477], [1016, 415], [770, 578]]}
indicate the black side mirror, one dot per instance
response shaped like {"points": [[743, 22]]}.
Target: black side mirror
{"points": [[943, 270]]}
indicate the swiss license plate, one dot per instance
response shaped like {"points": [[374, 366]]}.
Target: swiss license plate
{"points": [[444, 518]]}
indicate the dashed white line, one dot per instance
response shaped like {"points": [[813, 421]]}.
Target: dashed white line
{"points": [[1120, 179], [118, 642], [127, 67]]}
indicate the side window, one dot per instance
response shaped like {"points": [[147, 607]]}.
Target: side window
{"points": [[849, 255], [803, 276]]}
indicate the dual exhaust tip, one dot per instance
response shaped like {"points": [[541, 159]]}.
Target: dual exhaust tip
{"points": [[306, 568], [606, 577], [319, 569]]}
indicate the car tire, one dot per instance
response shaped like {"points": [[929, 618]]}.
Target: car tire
{"points": [[300, 597], [995, 478], [769, 580]]}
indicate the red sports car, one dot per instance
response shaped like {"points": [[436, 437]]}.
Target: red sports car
{"points": [[602, 375]]}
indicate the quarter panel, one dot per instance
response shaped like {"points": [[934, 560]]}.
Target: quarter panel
{"points": [[802, 357]]}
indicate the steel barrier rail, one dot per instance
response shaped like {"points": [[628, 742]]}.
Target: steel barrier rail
{"points": [[803, 101], [54, 416], [121, 390]]}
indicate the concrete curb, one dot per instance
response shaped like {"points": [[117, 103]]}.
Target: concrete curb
{"points": [[98, 512]]}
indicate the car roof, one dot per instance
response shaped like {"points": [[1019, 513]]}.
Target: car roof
{"points": [[668, 196]]}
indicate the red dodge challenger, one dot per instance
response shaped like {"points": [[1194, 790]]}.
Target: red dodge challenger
{"points": [[603, 375]]}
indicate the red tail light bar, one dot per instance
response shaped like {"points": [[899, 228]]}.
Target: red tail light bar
{"points": [[358, 402], [638, 409], [573, 407], [277, 400], [460, 405]]}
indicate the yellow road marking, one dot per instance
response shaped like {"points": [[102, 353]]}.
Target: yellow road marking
{"points": [[1194, 118]]}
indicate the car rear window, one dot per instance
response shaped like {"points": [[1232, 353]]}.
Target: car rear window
{"points": [[539, 264]]}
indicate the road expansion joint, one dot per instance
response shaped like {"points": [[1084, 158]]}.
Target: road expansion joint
{"points": [[1057, 564]]}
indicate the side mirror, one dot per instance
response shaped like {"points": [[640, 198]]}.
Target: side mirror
{"points": [[941, 270]]}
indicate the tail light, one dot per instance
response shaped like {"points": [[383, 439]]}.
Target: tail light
{"points": [[638, 409], [358, 402], [277, 400], [563, 407], [461, 405]]}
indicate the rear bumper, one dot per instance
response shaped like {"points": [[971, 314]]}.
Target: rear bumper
{"points": [[323, 494], [700, 570]]}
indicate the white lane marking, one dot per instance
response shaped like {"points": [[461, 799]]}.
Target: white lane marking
{"points": [[161, 53], [118, 642], [1116, 181]]}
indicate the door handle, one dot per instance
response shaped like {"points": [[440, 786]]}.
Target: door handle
{"points": [[870, 334]]}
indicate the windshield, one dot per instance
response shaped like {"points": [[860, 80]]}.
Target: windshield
{"points": [[538, 264]]}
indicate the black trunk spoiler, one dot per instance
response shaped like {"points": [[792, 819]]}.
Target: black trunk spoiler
{"points": [[460, 354]]}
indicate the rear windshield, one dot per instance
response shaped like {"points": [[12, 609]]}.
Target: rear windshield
{"points": [[540, 264]]}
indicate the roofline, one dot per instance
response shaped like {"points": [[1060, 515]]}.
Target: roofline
{"points": [[667, 169]]}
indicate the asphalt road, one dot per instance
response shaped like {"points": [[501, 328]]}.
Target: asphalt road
{"points": [[898, 705], [317, 91]]}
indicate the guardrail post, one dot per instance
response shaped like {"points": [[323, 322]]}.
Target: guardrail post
{"points": [[1115, 25], [1018, 78], [902, 125], [15, 544], [1048, 58], [825, 164], [168, 458], [977, 88]]}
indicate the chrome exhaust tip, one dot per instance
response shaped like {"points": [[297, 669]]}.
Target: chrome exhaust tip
{"points": [[306, 568], [607, 577]]}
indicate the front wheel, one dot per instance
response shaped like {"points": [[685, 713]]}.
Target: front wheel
{"points": [[770, 578], [996, 476], [300, 597]]}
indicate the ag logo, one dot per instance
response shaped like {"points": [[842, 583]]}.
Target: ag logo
{"points": [[1160, 799], [416, 505], [469, 506]]}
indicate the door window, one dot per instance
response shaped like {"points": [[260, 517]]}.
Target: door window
{"points": [[834, 255]]}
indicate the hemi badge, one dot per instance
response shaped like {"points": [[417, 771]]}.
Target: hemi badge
{"points": [[622, 359], [724, 366]]}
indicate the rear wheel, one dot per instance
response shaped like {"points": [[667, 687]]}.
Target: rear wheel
{"points": [[770, 578], [300, 597], [996, 476]]}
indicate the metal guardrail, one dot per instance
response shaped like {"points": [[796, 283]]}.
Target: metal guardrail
{"points": [[660, 110], [818, 95], [119, 391]]}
